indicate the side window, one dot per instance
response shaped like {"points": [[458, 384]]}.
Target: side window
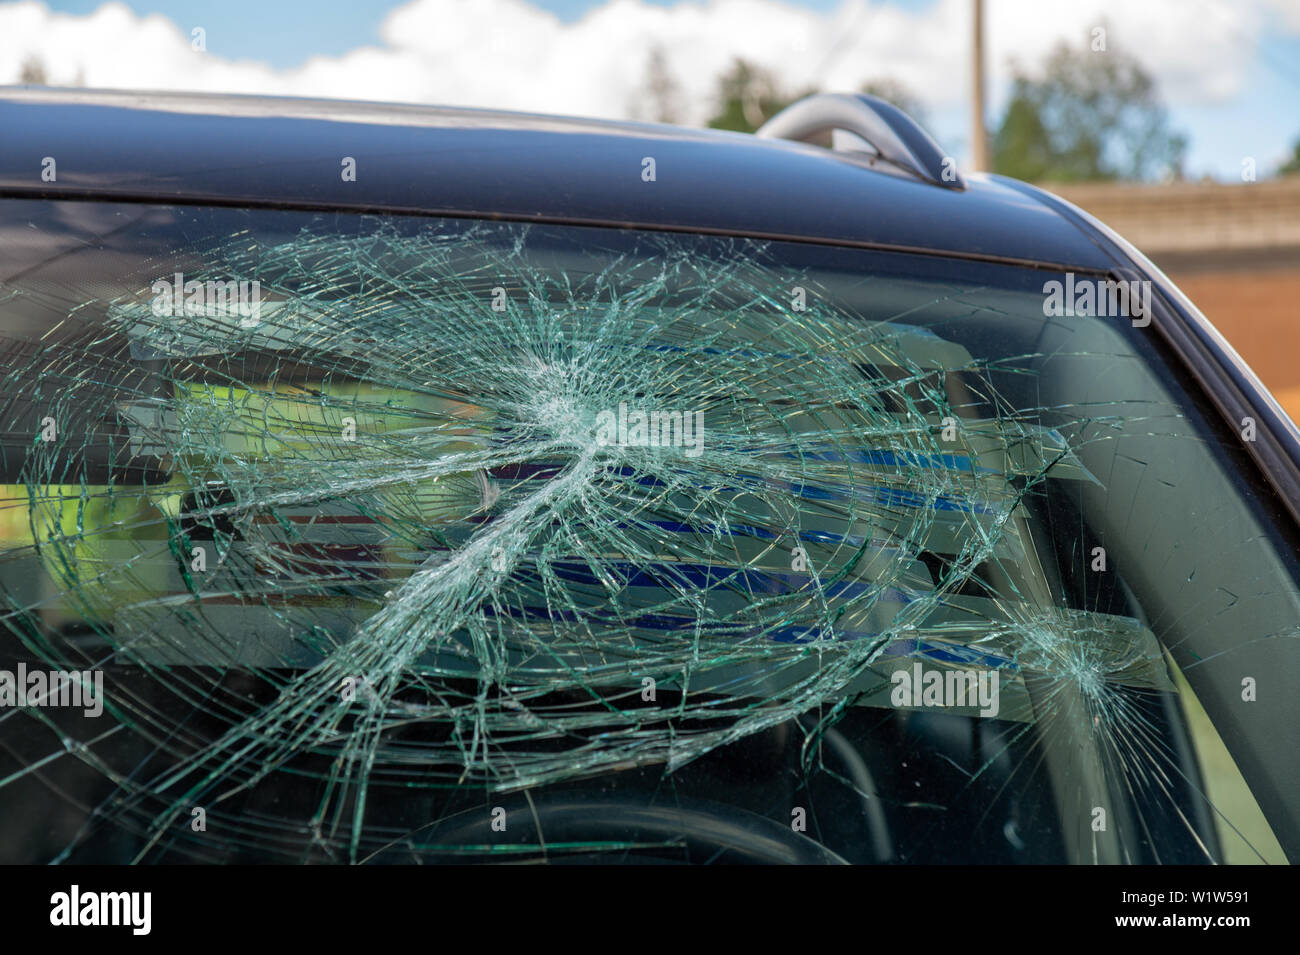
{"points": [[851, 549]]}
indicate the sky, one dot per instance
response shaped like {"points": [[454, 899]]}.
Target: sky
{"points": [[1228, 70]]}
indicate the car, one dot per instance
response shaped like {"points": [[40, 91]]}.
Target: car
{"points": [[391, 483]]}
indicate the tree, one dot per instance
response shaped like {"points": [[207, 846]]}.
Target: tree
{"points": [[661, 100], [1292, 165], [748, 96], [1095, 115], [896, 94], [33, 71]]}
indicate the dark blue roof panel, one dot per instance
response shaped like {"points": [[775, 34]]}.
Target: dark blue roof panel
{"points": [[237, 149]]}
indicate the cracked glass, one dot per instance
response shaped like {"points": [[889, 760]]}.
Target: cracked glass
{"points": [[428, 540]]}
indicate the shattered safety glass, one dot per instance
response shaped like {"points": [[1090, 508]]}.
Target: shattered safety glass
{"points": [[385, 539]]}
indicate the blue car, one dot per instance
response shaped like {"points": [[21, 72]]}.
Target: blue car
{"points": [[405, 484]]}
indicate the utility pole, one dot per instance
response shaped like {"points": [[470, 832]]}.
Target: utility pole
{"points": [[979, 140]]}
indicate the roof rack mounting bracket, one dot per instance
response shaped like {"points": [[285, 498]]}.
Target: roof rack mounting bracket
{"points": [[895, 136]]}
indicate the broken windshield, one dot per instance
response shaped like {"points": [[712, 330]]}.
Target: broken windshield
{"points": [[345, 538]]}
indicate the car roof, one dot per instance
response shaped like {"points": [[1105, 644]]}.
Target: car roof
{"points": [[282, 152]]}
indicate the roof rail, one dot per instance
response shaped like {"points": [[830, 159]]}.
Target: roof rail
{"points": [[894, 135]]}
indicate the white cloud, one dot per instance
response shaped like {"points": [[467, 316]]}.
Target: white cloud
{"points": [[1288, 14], [511, 54]]}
